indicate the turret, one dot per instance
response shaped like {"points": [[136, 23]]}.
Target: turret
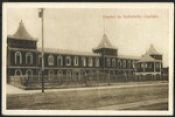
{"points": [[105, 47], [21, 38]]}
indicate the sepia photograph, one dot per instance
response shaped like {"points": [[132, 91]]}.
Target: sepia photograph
{"points": [[87, 59]]}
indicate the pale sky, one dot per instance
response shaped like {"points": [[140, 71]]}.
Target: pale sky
{"points": [[82, 28]]}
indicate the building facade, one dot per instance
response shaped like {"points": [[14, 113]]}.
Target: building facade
{"points": [[25, 58]]}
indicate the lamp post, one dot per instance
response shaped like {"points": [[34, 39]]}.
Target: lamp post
{"points": [[41, 15]]}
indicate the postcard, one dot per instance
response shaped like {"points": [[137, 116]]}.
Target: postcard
{"points": [[87, 59]]}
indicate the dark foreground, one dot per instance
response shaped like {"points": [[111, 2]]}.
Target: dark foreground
{"points": [[135, 95]]}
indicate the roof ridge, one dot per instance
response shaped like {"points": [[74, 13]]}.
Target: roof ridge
{"points": [[65, 49]]}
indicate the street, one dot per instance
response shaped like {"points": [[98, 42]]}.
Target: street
{"points": [[122, 96]]}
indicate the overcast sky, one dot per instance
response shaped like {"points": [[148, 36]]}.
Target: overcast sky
{"points": [[130, 30]]}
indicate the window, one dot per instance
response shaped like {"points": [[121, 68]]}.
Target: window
{"points": [[51, 60], [18, 72], [83, 59], [90, 62], [60, 60], [129, 64], [150, 65], [119, 63], [18, 58], [51, 74], [59, 74], [75, 61], [68, 75], [113, 62], [124, 63], [143, 65], [40, 59], [133, 64], [29, 58], [108, 61], [97, 62], [157, 65], [40, 75], [146, 65], [68, 60], [29, 73]]}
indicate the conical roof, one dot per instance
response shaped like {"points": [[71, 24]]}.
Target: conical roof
{"points": [[22, 33], [152, 50], [105, 43]]}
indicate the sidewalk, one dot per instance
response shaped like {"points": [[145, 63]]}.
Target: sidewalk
{"points": [[14, 90]]}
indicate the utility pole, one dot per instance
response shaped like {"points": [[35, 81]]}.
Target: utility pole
{"points": [[41, 15]]}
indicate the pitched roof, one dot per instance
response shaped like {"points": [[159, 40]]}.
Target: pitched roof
{"points": [[128, 57], [147, 58], [21, 33], [152, 50], [105, 43], [69, 52]]}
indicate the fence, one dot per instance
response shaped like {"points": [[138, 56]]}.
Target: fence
{"points": [[64, 81]]}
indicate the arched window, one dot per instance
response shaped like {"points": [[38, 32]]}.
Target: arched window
{"points": [[113, 62], [119, 63], [29, 58], [83, 59], [77, 74], [59, 60], [39, 75], [135, 64], [39, 59], [51, 60], [68, 60], [18, 72], [108, 61], [97, 62], [90, 62], [68, 75], [60, 74], [124, 63], [75, 61], [128, 64], [29, 72], [18, 58], [51, 74]]}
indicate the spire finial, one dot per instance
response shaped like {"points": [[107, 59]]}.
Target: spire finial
{"points": [[104, 25], [21, 22]]}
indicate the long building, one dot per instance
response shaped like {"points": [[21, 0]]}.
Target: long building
{"points": [[24, 58]]}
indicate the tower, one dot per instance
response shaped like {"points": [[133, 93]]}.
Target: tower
{"points": [[105, 47], [106, 50], [21, 52], [21, 39]]}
